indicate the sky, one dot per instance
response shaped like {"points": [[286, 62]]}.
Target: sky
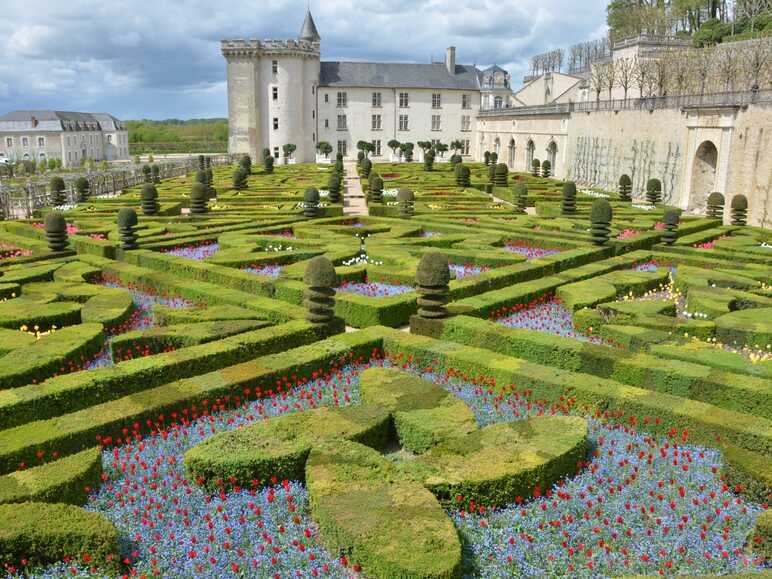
{"points": [[161, 59]]}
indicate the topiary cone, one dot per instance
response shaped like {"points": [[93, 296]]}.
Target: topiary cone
{"points": [[491, 173], [739, 210], [367, 166], [311, 202], [501, 177], [56, 231], [600, 221], [376, 189], [57, 188], [670, 218], [198, 198], [568, 206], [333, 186], [625, 188], [148, 199], [319, 295], [432, 277], [406, 200], [546, 168], [127, 221], [654, 191], [716, 206], [429, 161]]}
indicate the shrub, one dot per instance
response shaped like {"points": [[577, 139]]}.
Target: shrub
{"points": [[406, 200], [715, 206], [246, 163], [535, 167], [289, 149], [319, 295], [376, 188], [311, 202], [147, 173], [455, 159], [625, 188], [458, 171], [82, 188], [654, 191], [546, 168], [266, 154], [360, 158], [325, 148], [148, 199], [58, 194], [240, 179], [127, 221], [268, 164], [670, 218], [333, 186], [367, 167], [429, 160], [487, 157], [407, 151], [494, 157], [501, 178], [201, 177], [569, 198], [156, 173], [491, 173], [739, 210], [339, 169], [198, 199], [520, 194], [201, 162], [432, 277], [56, 231], [600, 221]]}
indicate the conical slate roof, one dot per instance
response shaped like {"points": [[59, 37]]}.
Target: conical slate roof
{"points": [[309, 31]]}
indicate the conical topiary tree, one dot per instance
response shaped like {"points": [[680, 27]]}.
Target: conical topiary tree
{"points": [[520, 196], [155, 171], [201, 163], [739, 210], [376, 188], [127, 221], [82, 189], [600, 221], [147, 173], [148, 199], [494, 157], [457, 172], [58, 191], [466, 176], [546, 168], [198, 199], [246, 163], [210, 182], [535, 167], [240, 179], [429, 160], [716, 205], [339, 168], [491, 173], [432, 277], [654, 191], [367, 167], [670, 218], [319, 295], [625, 188], [501, 178], [56, 231], [406, 200], [311, 207], [268, 164], [487, 157], [569, 198], [333, 186]]}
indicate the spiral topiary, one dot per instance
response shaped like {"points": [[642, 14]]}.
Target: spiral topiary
{"points": [[127, 221], [58, 194], [246, 163], [432, 277], [670, 218], [148, 199], [600, 221], [56, 231], [494, 157], [198, 198], [569, 198], [501, 178], [520, 194], [376, 188], [156, 173], [716, 205], [406, 200], [535, 167], [82, 189], [466, 176], [625, 188], [201, 163], [311, 207], [268, 164], [240, 179], [654, 191], [201, 177], [429, 161], [367, 167], [210, 182], [546, 168], [319, 295], [333, 186], [491, 173], [739, 210]]}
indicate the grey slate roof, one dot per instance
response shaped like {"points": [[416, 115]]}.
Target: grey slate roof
{"points": [[398, 75], [58, 120], [308, 31]]}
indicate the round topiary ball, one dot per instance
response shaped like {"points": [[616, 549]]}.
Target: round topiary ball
{"points": [[311, 202], [127, 217], [433, 270], [55, 228], [320, 273]]}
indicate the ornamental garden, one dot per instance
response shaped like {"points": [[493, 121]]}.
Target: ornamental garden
{"points": [[483, 374]]}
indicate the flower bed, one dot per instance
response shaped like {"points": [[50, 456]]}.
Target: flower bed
{"points": [[198, 251], [528, 249], [374, 289], [465, 270], [547, 314], [266, 270]]}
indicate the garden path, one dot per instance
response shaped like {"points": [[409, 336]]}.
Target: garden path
{"points": [[354, 202]]}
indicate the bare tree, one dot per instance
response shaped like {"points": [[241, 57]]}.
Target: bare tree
{"points": [[642, 73], [755, 60], [661, 69], [727, 67], [702, 64], [752, 9], [598, 80], [681, 71], [610, 76], [625, 68]]}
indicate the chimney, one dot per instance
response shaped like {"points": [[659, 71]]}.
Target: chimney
{"points": [[450, 60]]}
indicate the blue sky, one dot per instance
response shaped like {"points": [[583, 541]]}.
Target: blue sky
{"points": [[160, 59]]}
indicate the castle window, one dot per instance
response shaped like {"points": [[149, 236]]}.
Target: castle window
{"points": [[377, 147], [341, 122], [9, 142], [376, 122], [109, 139], [342, 99], [466, 123], [326, 98], [403, 100], [342, 148], [377, 99], [275, 93], [276, 152], [326, 123], [436, 100], [275, 124], [275, 67], [497, 102], [466, 102], [436, 122], [41, 142], [403, 123], [465, 148], [25, 142]]}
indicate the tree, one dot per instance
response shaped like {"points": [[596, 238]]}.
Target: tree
{"points": [[756, 57], [325, 148], [288, 149], [535, 167], [240, 179], [568, 206], [670, 218], [487, 157], [55, 228], [198, 199], [625, 68], [82, 188], [311, 207], [432, 278], [407, 151], [147, 172], [600, 221], [246, 163], [333, 187], [57, 188], [501, 175], [429, 160], [654, 191], [440, 148], [319, 296], [155, 171], [739, 207], [625, 188], [597, 80], [610, 76], [127, 223], [457, 146], [546, 168], [642, 73], [268, 164], [394, 145]]}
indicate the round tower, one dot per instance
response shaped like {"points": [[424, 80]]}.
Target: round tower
{"points": [[272, 94]]}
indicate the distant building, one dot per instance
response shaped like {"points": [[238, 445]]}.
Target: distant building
{"points": [[71, 137]]}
